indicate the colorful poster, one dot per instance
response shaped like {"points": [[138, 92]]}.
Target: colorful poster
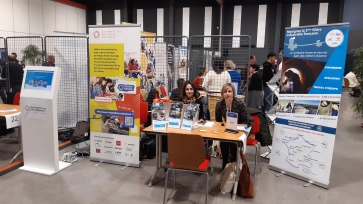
{"points": [[114, 97], [183, 56], [309, 101]]}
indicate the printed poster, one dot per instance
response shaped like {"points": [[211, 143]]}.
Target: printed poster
{"points": [[114, 97], [309, 101]]}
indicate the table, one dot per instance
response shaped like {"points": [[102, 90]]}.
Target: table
{"points": [[4, 114], [216, 132]]}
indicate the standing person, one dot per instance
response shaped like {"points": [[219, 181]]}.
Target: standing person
{"points": [[229, 103], [16, 74], [50, 62], [175, 94], [268, 68], [198, 81], [281, 56], [215, 79], [133, 70], [15, 57], [235, 76], [255, 88]]}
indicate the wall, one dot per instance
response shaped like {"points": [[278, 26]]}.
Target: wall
{"points": [[40, 18]]}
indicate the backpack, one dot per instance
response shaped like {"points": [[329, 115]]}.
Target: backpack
{"points": [[65, 134], [264, 135], [81, 132], [147, 146]]}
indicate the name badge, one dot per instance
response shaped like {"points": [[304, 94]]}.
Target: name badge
{"points": [[232, 120]]}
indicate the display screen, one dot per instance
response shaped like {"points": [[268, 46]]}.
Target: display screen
{"points": [[39, 80]]}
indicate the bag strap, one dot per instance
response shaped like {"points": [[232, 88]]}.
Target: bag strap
{"points": [[244, 161]]}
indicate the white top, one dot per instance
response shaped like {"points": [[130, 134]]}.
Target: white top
{"points": [[213, 82], [280, 66], [353, 81]]}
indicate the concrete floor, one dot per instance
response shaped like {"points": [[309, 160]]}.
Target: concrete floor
{"points": [[85, 183]]}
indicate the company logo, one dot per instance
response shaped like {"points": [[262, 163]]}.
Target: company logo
{"points": [[98, 151], [96, 34], [108, 152], [107, 142], [118, 153], [334, 38], [27, 108], [97, 144], [129, 149], [107, 147], [36, 109], [319, 128], [125, 87], [126, 154], [118, 148], [118, 143], [98, 141], [132, 145], [132, 155]]}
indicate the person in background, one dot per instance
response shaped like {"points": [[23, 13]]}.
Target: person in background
{"points": [[108, 85], [16, 57], [215, 79], [255, 88], [95, 87], [235, 76], [175, 94], [268, 68], [252, 59], [16, 74], [353, 83], [190, 95], [198, 81], [229, 103], [50, 62], [281, 56]]}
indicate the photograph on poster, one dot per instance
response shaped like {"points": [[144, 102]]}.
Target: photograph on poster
{"points": [[104, 89], [305, 107], [192, 112], [176, 110], [38, 80], [298, 76], [132, 65], [158, 112], [329, 108], [285, 106], [113, 125]]}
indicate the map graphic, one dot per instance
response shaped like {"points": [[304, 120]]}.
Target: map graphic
{"points": [[301, 153]]}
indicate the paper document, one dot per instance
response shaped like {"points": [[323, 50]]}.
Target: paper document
{"points": [[209, 124]]}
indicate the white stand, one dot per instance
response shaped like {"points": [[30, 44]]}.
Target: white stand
{"points": [[38, 104]]}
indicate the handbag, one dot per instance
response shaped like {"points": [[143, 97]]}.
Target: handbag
{"points": [[245, 184]]}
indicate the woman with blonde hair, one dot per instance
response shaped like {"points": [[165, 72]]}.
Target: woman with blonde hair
{"points": [[235, 76], [229, 103]]}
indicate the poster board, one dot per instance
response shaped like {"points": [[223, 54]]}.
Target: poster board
{"points": [[114, 98], [309, 101]]}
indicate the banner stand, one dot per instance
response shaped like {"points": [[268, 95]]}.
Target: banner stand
{"points": [[39, 116], [309, 102]]}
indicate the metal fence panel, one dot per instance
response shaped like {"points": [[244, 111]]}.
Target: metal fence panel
{"points": [[212, 52], [71, 56], [28, 49], [2, 42], [163, 61]]}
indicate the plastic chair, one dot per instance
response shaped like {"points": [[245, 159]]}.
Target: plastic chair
{"points": [[16, 99], [194, 160], [143, 113], [255, 143]]}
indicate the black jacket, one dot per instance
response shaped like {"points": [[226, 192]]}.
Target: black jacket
{"points": [[267, 73], [255, 82], [237, 107], [16, 74], [175, 94]]}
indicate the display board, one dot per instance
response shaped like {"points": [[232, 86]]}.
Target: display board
{"points": [[114, 98], [309, 101]]}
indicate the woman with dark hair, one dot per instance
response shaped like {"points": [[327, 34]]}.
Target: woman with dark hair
{"points": [[255, 88], [175, 94], [191, 95], [215, 79], [229, 103]]}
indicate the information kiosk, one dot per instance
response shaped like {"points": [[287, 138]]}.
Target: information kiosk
{"points": [[38, 104]]}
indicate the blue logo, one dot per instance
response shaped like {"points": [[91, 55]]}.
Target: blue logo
{"points": [[159, 125], [173, 123], [125, 87]]}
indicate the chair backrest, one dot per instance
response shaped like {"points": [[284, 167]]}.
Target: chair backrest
{"points": [[186, 151], [256, 124], [346, 82], [16, 99], [143, 112], [212, 102]]}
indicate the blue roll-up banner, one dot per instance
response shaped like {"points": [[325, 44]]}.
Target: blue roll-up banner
{"points": [[309, 101]]}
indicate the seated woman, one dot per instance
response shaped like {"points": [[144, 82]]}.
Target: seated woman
{"points": [[191, 95], [230, 103]]}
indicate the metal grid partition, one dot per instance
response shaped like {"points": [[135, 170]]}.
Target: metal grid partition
{"points": [[2, 42], [215, 54], [71, 56], [163, 61]]}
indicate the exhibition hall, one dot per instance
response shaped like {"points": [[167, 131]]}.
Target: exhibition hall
{"points": [[170, 101]]}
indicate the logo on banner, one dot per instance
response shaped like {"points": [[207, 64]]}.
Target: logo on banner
{"points": [[118, 153], [118, 148], [97, 144], [334, 38], [98, 151], [129, 149], [108, 152], [96, 34], [108, 147], [107, 142], [118, 143], [126, 87]]}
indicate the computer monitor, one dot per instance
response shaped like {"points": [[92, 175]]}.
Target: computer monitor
{"points": [[38, 80]]}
